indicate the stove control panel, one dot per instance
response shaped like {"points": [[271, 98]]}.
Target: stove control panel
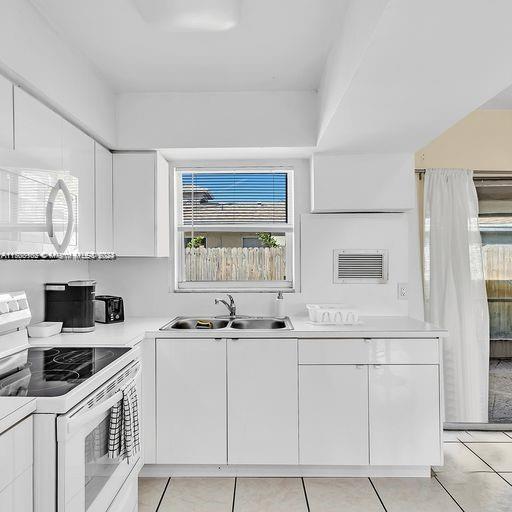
{"points": [[14, 311]]}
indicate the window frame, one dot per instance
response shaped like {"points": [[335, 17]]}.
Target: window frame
{"points": [[287, 228]]}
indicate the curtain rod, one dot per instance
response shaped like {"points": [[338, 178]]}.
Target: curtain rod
{"points": [[481, 173]]}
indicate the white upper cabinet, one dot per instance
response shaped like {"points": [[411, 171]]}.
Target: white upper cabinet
{"points": [[6, 115], [141, 204], [103, 199], [362, 183], [262, 401], [38, 133], [78, 160]]}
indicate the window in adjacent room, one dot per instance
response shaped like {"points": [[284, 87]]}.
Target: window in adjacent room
{"points": [[234, 228]]}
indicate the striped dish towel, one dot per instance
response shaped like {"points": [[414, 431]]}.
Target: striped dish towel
{"points": [[123, 435]]}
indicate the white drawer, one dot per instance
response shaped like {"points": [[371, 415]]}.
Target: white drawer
{"points": [[404, 351], [16, 447], [369, 351], [334, 351]]}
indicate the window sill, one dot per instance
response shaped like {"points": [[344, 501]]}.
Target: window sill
{"points": [[233, 290]]}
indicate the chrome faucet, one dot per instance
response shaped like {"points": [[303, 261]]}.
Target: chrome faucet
{"points": [[231, 305]]}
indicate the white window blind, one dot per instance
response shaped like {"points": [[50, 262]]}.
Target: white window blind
{"points": [[234, 198]]}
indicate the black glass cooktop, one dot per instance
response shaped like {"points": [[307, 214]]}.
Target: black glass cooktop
{"points": [[52, 371]]}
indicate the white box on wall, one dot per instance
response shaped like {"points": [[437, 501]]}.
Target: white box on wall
{"points": [[362, 183], [322, 234]]}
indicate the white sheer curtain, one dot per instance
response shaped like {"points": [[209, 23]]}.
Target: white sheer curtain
{"points": [[455, 294]]}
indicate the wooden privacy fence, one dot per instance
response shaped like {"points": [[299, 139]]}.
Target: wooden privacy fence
{"points": [[498, 276], [235, 264]]}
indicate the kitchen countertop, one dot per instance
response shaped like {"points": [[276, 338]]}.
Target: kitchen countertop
{"points": [[127, 334], [14, 409], [134, 329], [369, 327]]}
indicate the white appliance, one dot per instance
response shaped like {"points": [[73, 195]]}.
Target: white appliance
{"points": [[38, 211], [75, 389]]}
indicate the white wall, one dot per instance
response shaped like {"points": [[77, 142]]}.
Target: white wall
{"points": [[425, 65], [346, 53], [34, 56], [144, 283], [31, 276], [217, 119]]}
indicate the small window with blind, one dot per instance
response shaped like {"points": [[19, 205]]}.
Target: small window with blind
{"points": [[234, 229]]}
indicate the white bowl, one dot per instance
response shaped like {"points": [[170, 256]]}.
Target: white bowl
{"points": [[44, 329]]}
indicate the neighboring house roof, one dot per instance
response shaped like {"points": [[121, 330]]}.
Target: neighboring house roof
{"points": [[234, 213]]}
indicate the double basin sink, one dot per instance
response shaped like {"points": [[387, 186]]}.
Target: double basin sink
{"points": [[253, 323]]}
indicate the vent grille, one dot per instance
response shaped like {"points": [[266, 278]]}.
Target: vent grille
{"points": [[364, 266]]}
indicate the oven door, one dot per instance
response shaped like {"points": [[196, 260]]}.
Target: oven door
{"points": [[88, 480]]}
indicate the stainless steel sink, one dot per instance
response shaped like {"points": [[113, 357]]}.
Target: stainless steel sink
{"points": [[196, 323], [255, 323], [260, 323]]}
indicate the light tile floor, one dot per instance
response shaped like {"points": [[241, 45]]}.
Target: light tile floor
{"points": [[476, 477]]}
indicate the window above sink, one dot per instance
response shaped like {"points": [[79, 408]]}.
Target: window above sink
{"points": [[234, 229]]}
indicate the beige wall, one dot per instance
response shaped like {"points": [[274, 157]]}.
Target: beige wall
{"points": [[481, 141]]}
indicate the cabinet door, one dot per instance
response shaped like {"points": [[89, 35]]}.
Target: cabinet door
{"points": [[103, 186], [134, 204], [6, 113], [262, 401], [38, 133], [78, 159], [191, 401], [333, 414], [404, 415]]}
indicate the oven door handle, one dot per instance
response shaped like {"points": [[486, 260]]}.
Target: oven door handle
{"points": [[76, 422], [83, 419]]}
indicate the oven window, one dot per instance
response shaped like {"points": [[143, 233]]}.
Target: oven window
{"points": [[98, 467]]}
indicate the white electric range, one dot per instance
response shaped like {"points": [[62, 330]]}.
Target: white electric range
{"points": [[75, 389]]}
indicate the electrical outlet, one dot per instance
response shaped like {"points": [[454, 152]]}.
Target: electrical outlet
{"points": [[403, 291]]}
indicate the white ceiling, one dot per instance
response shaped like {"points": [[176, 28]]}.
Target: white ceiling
{"points": [[278, 45], [503, 100]]}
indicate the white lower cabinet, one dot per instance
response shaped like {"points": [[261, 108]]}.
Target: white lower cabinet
{"points": [[191, 401], [333, 414], [404, 405], [262, 401], [250, 402], [16, 468], [17, 497]]}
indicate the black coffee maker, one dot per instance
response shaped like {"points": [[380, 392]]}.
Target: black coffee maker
{"points": [[72, 304]]}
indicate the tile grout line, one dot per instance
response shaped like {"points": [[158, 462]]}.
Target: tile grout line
{"points": [[305, 493], [492, 469], [378, 495], [163, 494], [234, 495], [447, 492]]}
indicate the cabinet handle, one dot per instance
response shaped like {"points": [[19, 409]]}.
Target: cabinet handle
{"points": [[217, 339], [60, 185], [360, 366], [235, 339], [377, 366]]}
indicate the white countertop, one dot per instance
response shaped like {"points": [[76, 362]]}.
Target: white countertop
{"points": [[135, 329], [369, 327], [14, 409], [127, 333]]}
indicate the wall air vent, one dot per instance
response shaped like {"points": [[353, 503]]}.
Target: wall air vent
{"points": [[360, 266]]}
